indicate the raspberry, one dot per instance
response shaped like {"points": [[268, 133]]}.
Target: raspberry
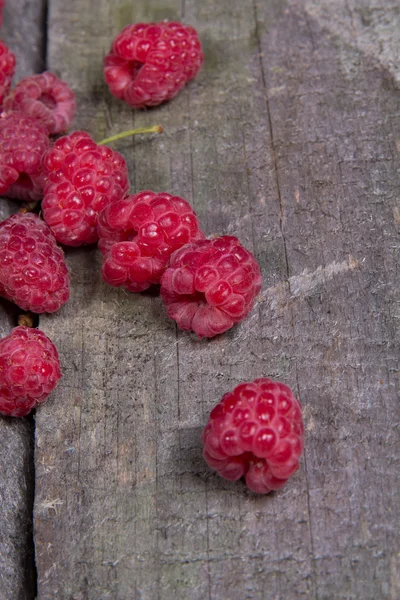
{"points": [[23, 142], [29, 371], [7, 68], [81, 179], [33, 273], [255, 431], [150, 63], [138, 234], [46, 98], [210, 285]]}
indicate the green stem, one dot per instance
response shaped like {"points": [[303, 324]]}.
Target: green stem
{"points": [[118, 136]]}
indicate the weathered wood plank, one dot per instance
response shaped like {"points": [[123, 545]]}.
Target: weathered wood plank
{"points": [[26, 38], [332, 109], [286, 139]]}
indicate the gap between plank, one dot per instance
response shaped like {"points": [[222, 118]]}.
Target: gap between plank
{"points": [[33, 566]]}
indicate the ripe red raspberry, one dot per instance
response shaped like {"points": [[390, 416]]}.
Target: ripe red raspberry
{"points": [[46, 98], [33, 273], [210, 285], [7, 68], [256, 431], [81, 179], [150, 63], [23, 142], [138, 234], [29, 371]]}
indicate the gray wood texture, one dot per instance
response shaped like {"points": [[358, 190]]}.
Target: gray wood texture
{"points": [[25, 37], [289, 138]]}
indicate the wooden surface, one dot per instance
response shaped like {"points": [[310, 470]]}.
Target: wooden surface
{"points": [[17, 571], [289, 138]]}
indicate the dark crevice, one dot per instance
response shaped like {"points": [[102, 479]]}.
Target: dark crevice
{"points": [[272, 142], [44, 22], [134, 67], [48, 101], [31, 567]]}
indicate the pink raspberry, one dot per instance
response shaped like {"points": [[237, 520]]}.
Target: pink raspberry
{"points": [[7, 68], [23, 142], [81, 179], [138, 235], [29, 371], [210, 285], [46, 98], [255, 431], [33, 273], [150, 63]]}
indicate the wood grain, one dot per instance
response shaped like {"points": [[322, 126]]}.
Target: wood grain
{"points": [[288, 139], [26, 38]]}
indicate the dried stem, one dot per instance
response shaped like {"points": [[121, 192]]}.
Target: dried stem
{"points": [[119, 136]]}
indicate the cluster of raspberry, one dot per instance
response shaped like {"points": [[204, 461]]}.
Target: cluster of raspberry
{"points": [[146, 239]]}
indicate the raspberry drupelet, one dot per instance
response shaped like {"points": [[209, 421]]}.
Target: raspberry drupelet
{"points": [[29, 371], [7, 68], [82, 178], [210, 285], [255, 431], [33, 273], [46, 98], [23, 142], [149, 63], [138, 234]]}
